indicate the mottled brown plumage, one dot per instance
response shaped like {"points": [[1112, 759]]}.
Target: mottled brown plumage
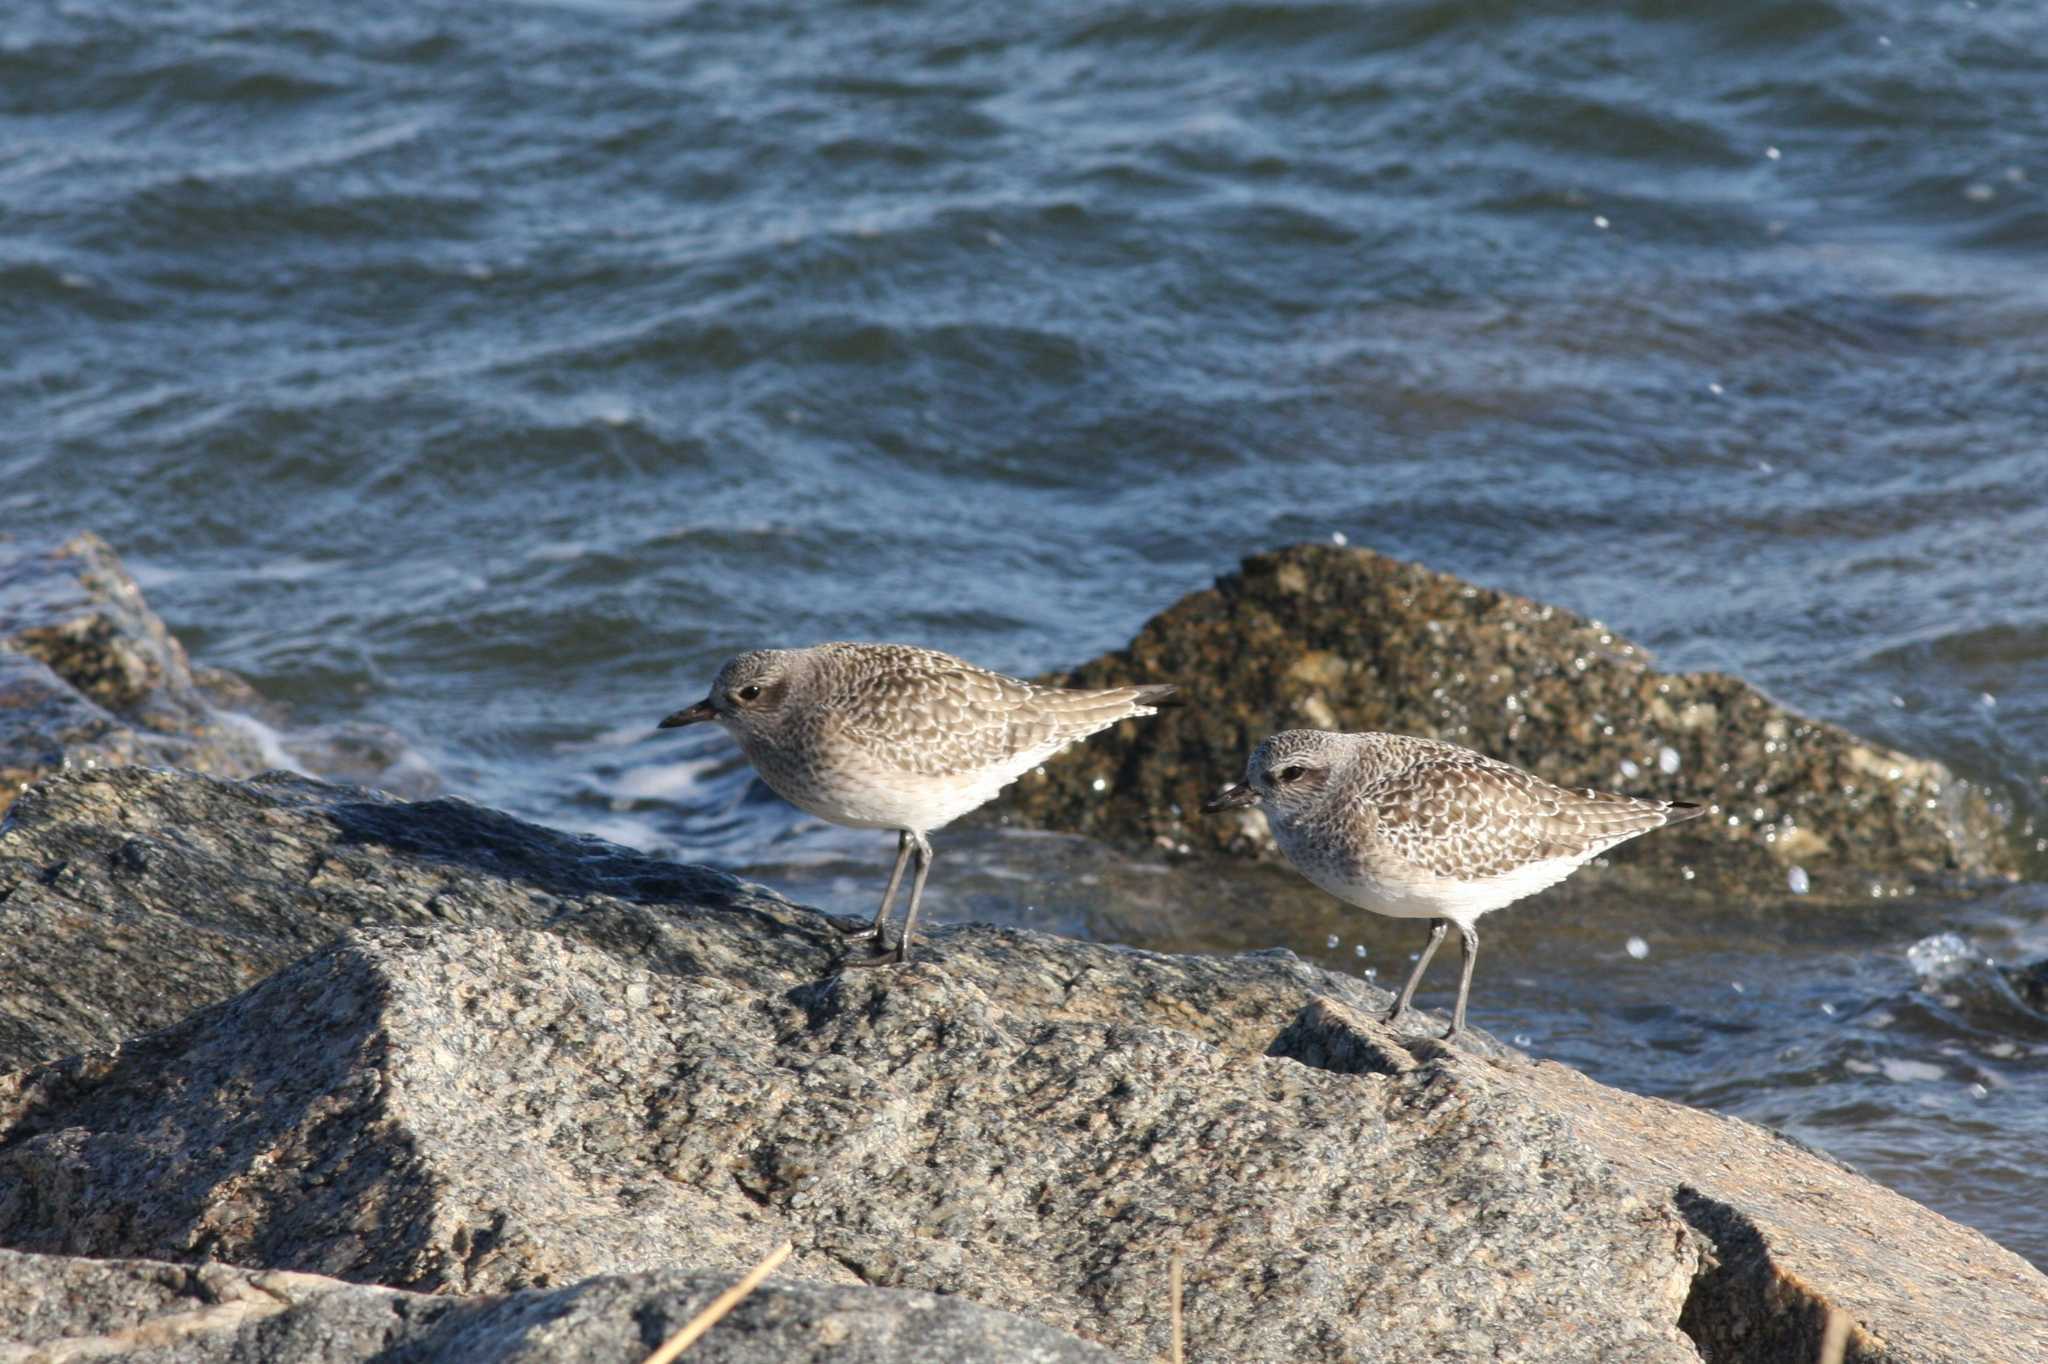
{"points": [[892, 736], [1419, 828]]}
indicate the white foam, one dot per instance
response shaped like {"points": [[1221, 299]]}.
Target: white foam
{"points": [[148, 574], [619, 736], [1911, 1072], [626, 833], [269, 743], [1939, 956], [293, 568], [665, 781]]}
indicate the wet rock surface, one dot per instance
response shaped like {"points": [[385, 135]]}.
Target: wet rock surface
{"points": [[89, 676], [1320, 637], [528, 1059], [2030, 983], [60, 1307]]}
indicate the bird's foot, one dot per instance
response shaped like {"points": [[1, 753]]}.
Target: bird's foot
{"points": [[882, 956], [867, 930]]}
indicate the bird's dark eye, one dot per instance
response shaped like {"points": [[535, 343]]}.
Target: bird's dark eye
{"points": [[1290, 773], [748, 692]]}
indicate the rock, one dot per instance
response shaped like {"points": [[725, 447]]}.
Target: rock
{"points": [[555, 1059], [1315, 636], [60, 1308], [57, 1308], [622, 1317], [131, 897], [89, 675], [1790, 1246], [2030, 983]]}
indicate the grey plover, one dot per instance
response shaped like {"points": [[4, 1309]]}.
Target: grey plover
{"points": [[891, 736], [1421, 829]]}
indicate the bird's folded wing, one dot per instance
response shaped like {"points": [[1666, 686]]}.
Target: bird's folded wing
{"points": [[1470, 816], [940, 719]]}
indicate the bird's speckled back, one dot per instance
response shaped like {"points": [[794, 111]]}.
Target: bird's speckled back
{"points": [[1440, 809], [890, 733]]}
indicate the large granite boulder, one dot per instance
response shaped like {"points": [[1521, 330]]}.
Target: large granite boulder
{"points": [[1319, 637], [59, 1308], [550, 1059], [89, 676], [130, 897]]}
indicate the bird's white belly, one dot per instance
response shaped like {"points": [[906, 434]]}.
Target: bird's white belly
{"points": [[877, 796], [1401, 894]]}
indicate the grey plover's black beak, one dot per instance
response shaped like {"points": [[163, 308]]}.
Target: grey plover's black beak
{"points": [[1235, 798], [701, 711]]}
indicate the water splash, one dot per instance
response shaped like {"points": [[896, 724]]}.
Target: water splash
{"points": [[1940, 956]]}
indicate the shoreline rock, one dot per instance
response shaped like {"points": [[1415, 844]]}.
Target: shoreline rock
{"points": [[1314, 636], [60, 1308], [525, 1059], [1310, 635], [90, 676]]}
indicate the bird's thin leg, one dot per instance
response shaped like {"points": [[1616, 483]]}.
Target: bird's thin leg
{"points": [[1468, 938], [924, 869], [888, 896], [1436, 935], [901, 951]]}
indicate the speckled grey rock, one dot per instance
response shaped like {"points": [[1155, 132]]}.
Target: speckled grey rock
{"points": [[621, 1317], [569, 1059], [89, 675], [60, 1308], [1318, 637], [131, 897]]}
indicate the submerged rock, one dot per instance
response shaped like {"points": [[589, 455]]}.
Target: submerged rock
{"points": [[1320, 637], [89, 675], [556, 1059], [2030, 983]]}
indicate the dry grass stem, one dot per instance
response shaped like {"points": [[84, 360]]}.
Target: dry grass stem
{"points": [[1834, 1337], [720, 1305]]}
